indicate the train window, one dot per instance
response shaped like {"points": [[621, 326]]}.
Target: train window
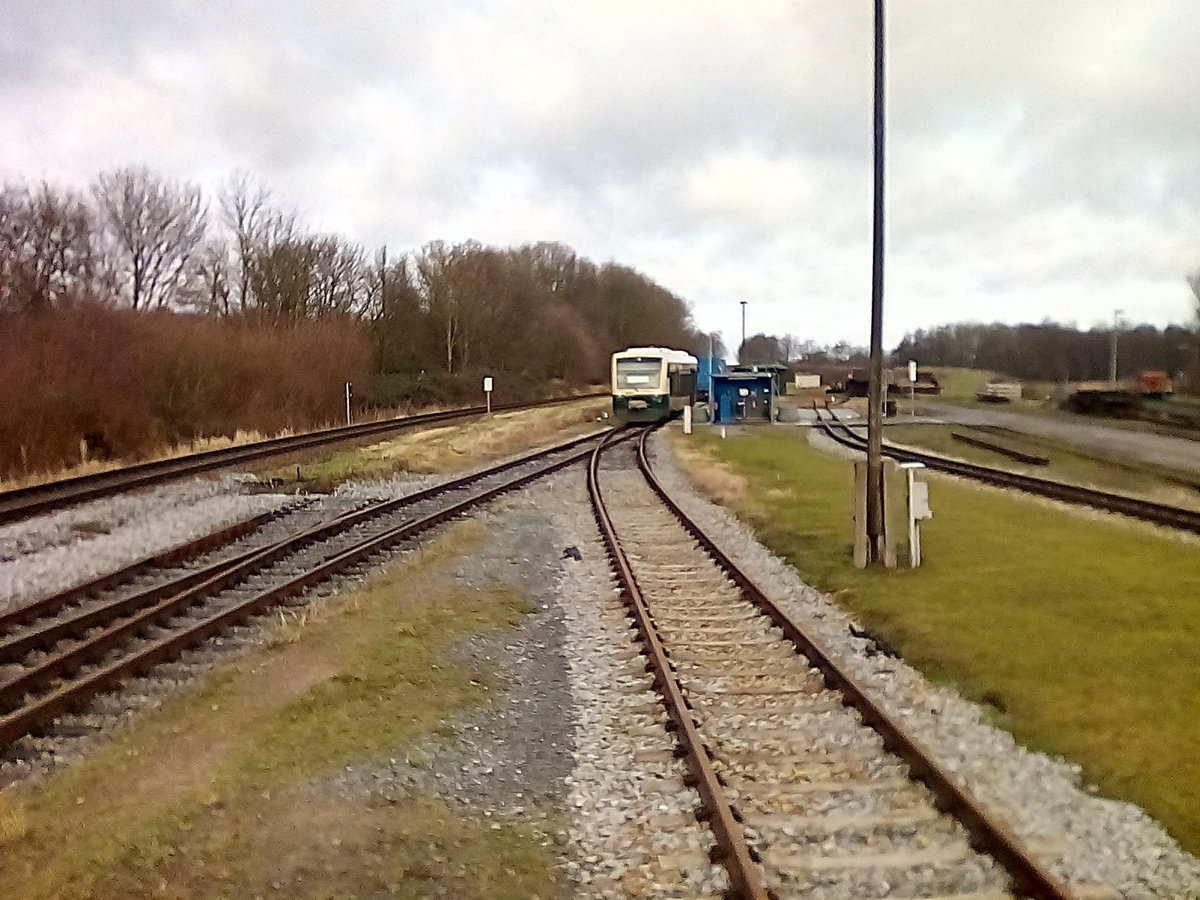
{"points": [[638, 373]]}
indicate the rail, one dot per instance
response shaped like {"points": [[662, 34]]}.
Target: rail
{"points": [[1146, 510], [22, 503], [93, 637], [1029, 878]]}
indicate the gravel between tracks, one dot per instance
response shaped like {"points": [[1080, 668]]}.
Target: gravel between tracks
{"points": [[1085, 839], [54, 552], [574, 742]]}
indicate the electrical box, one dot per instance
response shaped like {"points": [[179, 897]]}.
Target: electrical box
{"points": [[920, 501]]}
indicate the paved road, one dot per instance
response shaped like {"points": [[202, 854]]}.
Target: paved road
{"points": [[1157, 448]]}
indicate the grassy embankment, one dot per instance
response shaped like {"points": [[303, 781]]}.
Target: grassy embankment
{"points": [[227, 790], [1079, 634]]}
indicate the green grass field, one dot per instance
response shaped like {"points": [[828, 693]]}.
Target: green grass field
{"points": [[961, 384], [1081, 635]]}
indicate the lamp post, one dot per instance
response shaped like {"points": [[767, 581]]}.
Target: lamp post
{"points": [[743, 344], [1112, 347]]}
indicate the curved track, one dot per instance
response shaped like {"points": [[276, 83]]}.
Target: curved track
{"points": [[1147, 510], [58, 653], [803, 796], [40, 498]]}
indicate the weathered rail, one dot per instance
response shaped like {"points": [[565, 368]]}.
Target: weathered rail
{"points": [[36, 499], [1032, 459], [1147, 510], [83, 652], [744, 864]]}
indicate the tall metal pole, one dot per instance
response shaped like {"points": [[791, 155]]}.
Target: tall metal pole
{"points": [[875, 391], [740, 360], [1112, 350], [383, 281]]}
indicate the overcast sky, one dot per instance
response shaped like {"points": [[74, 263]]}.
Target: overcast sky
{"points": [[1043, 157]]}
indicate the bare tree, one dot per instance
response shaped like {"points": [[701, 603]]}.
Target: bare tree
{"points": [[244, 205], [214, 289], [439, 298], [293, 277], [338, 280], [49, 249], [155, 226]]}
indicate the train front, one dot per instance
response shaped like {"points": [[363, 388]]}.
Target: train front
{"points": [[639, 386]]}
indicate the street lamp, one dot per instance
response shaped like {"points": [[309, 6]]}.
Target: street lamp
{"points": [[1112, 347], [743, 331]]}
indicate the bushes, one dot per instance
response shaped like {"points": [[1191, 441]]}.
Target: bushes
{"points": [[128, 382], [391, 390]]}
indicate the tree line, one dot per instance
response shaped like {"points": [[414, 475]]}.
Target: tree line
{"points": [[1044, 352], [764, 349], [1053, 352], [138, 312], [142, 241]]}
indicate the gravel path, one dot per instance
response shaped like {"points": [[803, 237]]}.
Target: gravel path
{"points": [[1144, 445]]}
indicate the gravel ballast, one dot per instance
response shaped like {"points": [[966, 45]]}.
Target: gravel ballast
{"points": [[574, 741], [1086, 839], [52, 553]]}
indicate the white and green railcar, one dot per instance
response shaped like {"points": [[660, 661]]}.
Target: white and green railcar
{"points": [[651, 383]]}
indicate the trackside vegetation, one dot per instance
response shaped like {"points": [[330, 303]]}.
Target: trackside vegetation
{"points": [[231, 789], [142, 312], [1078, 631]]}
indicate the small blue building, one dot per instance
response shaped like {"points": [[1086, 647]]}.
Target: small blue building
{"points": [[743, 397]]}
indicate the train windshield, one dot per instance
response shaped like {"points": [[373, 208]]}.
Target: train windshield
{"points": [[638, 373]]}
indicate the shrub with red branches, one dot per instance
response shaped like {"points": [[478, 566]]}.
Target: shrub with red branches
{"points": [[129, 382]]}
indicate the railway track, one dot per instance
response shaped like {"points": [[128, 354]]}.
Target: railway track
{"points": [[810, 789], [1147, 510], [41, 498], [59, 653]]}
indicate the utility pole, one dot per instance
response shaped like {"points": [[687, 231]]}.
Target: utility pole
{"points": [[383, 281], [740, 360], [1112, 348], [875, 512]]}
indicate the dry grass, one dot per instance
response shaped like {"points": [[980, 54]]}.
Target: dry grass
{"points": [[716, 481], [14, 823], [447, 448], [170, 451], [240, 437]]}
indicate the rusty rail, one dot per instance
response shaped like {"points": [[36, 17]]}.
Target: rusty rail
{"points": [[50, 605], [21, 503], [1032, 459], [732, 850], [987, 834], [1147, 510], [23, 717]]}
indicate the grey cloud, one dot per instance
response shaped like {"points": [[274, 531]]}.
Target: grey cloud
{"points": [[408, 121]]}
